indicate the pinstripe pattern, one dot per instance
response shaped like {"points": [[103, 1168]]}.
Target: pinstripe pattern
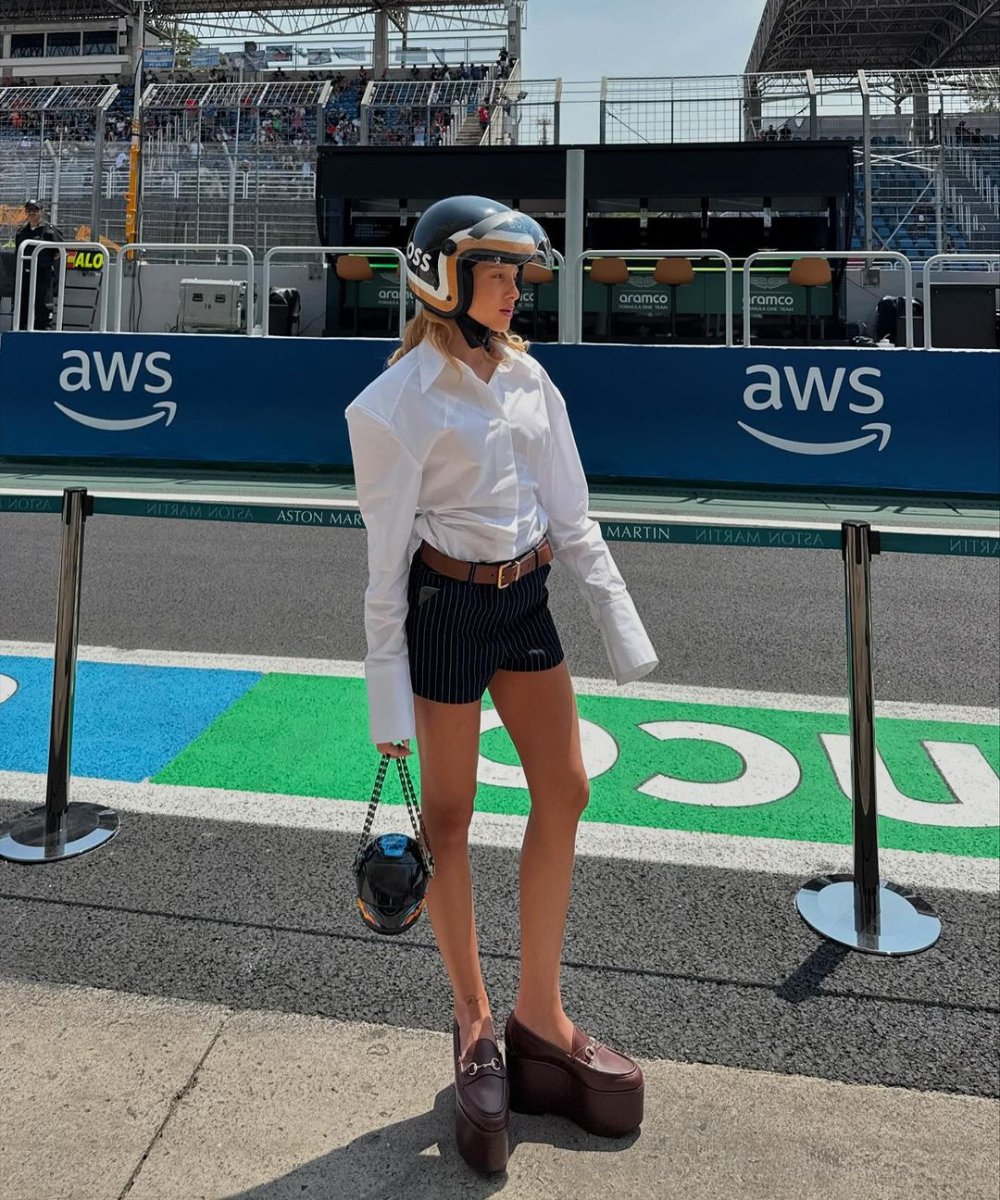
{"points": [[458, 634]]}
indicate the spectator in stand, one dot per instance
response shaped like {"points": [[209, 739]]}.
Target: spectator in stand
{"points": [[771, 134], [785, 135], [484, 116]]}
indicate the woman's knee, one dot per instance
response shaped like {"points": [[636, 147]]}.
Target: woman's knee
{"points": [[567, 799], [447, 815]]}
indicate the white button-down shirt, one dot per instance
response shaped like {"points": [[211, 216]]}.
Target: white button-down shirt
{"points": [[482, 471]]}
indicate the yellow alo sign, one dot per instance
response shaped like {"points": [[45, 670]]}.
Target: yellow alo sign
{"points": [[85, 260]]}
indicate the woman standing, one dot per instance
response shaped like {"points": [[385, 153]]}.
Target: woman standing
{"points": [[470, 483]]}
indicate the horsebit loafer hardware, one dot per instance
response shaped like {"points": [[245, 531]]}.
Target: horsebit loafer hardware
{"points": [[473, 1067]]}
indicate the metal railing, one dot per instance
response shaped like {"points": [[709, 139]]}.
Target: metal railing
{"points": [[366, 251], [130, 247], [928, 290], [27, 254], [569, 283], [577, 301], [867, 255]]}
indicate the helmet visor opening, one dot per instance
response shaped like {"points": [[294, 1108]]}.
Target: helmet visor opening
{"points": [[510, 237]]}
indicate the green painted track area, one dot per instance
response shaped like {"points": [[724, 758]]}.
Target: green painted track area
{"points": [[750, 772]]}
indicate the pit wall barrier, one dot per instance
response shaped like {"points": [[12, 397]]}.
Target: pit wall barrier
{"points": [[913, 420]]}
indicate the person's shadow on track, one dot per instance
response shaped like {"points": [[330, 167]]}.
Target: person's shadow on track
{"points": [[417, 1158]]}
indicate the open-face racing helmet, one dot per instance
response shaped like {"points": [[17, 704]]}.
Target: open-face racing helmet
{"points": [[454, 234]]}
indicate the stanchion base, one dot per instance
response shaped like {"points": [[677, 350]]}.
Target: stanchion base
{"points": [[906, 924], [83, 827]]}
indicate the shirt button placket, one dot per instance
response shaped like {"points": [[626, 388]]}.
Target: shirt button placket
{"points": [[506, 463]]}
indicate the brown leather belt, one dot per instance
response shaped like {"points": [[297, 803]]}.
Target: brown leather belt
{"points": [[500, 575]]}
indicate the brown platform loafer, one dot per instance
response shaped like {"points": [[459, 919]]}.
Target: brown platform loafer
{"points": [[482, 1109], [595, 1086]]}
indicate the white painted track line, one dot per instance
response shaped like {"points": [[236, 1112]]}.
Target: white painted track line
{"points": [[775, 856], [728, 697]]}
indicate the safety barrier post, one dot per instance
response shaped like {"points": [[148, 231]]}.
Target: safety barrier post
{"points": [[60, 830], [859, 910]]}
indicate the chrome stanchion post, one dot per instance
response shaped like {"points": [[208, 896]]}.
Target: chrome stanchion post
{"points": [[61, 830], [860, 910]]}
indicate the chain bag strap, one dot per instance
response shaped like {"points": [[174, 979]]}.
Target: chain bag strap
{"points": [[412, 807]]}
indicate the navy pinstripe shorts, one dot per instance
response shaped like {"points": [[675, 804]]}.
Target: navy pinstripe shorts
{"points": [[459, 633]]}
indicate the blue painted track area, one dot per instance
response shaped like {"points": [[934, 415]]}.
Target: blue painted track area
{"points": [[113, 738]]}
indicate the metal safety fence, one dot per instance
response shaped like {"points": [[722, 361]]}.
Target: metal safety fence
{"points": [[54, 143], [111, 289], [926, 143], [231, 162], [489, 112], [857, 909]]}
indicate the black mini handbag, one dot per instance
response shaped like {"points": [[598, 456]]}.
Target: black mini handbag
{"points": [[391, 871]]}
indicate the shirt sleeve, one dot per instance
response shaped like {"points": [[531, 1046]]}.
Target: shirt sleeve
{"points": [[580, 547], [387, 477]]}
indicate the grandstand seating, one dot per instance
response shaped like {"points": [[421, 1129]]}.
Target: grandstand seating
{"points": [[190, 145]]}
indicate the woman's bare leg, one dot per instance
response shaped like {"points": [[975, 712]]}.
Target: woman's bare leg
{"points": [[448, 749], [538, 709]]}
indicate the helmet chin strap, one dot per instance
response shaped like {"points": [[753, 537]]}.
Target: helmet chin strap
{"points": [[476, 334]]}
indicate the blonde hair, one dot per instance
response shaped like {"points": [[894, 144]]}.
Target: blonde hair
{"points": [[428, 326]]}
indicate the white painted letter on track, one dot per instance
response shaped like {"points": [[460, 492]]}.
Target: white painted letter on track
{"points": [[770, 772]]}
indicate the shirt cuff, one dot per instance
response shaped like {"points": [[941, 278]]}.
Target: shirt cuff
{"points": [[390, 701], [630, 652]]}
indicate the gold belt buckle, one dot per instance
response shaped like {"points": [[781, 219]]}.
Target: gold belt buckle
{"points": [[516, 563]]}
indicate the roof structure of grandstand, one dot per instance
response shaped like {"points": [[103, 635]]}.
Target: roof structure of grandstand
{"points": [[279, 17], [833, 37]]}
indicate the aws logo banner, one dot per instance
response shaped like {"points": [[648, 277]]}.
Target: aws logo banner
{"points": [[817, 390], [207, 398], [804, 417], [99, 394], [117, 371]]}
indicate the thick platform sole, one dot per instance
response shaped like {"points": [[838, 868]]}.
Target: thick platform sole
{"points": [[486, 1152], [542, 1087]]}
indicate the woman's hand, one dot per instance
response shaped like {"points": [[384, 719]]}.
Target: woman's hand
{"points": [[394, 749]]}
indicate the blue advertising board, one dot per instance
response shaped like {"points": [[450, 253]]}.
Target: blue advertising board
{"points": [[924, 421], [161, 59]]}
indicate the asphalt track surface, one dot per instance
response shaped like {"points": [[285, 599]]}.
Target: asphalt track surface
{"points": [[685, 963]]}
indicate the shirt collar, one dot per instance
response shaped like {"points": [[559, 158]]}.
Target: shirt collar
{"points": [[433, 362]]}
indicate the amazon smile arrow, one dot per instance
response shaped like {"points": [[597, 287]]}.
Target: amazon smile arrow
{"points": [[168, 406], [823, 447]]}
